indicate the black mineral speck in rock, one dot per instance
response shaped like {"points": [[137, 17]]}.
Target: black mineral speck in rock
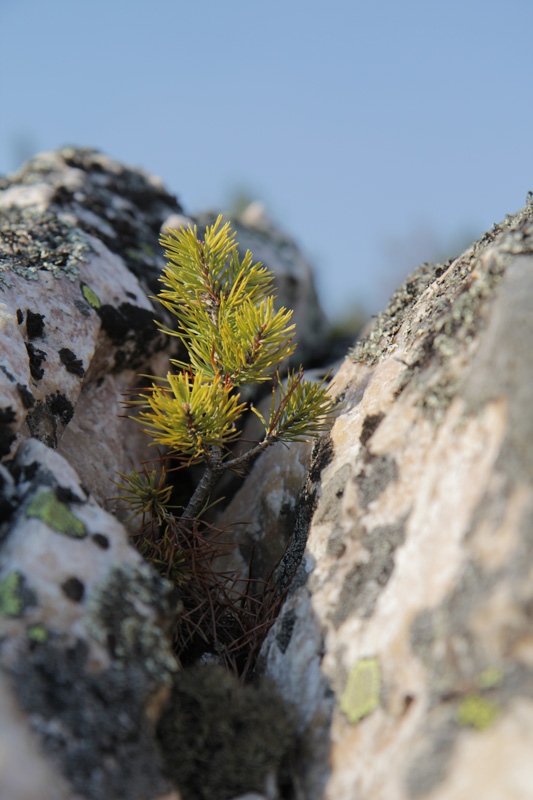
{"points": [[74, 589]]}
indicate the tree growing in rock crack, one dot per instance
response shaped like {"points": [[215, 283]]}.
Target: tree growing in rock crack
{"points": [[234, 337]]}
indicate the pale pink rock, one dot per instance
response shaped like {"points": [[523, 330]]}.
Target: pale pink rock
{"points": [[419, 556]]}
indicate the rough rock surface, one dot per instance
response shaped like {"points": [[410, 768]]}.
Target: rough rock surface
{"points": [[78, 259], [85, 662], [406, 644]]}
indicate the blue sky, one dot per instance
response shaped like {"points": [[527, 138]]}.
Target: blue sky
{"points": [[379, 134]]}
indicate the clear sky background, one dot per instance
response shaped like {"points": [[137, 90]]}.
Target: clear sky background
{"points": [[378, 134]]}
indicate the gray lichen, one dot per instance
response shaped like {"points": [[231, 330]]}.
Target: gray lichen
{"points": [[92, 724], [116, 618], [33, 240], [456, 309], [365, 581], [379, 340]]}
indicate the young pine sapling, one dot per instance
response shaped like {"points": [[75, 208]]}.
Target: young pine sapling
{"points": [[234, 336]]}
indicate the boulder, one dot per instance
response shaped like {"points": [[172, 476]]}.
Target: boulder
{"points": [[85, 660], [405, 645], [78, 259]]}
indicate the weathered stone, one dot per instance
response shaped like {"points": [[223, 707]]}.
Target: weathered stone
{"points": [[261, 515], [405, 645], [86, 663], [78, 258]]}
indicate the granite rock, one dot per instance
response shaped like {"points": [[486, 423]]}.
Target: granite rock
{"points": [[79, 265], [85, 660], [405, 644], [78, 260]]}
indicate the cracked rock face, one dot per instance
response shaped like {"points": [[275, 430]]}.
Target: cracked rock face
{"points": [[407, 652], [404, 647]]}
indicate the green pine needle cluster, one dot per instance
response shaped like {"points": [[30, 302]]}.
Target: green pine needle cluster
{"points": [[234, 336], [181, 413], [225, 314]]}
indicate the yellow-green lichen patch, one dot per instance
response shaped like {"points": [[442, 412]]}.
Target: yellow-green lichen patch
{"points": [[46, 507], [361, 693], [490, 677], [477, 711], [90, 296], [37, 633], [10, 595]]}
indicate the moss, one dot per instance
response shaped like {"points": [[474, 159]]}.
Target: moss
{"points": [[361, 693], [46, 507], [477, 711], [220, 739]]}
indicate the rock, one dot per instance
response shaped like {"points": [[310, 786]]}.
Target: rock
{"points": [[24, 771], [85, 659], [260, 517], [405, 644], [79, 256], [403, 648]]}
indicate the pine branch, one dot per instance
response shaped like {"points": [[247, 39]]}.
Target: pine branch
{"points": [[226, 319]]}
